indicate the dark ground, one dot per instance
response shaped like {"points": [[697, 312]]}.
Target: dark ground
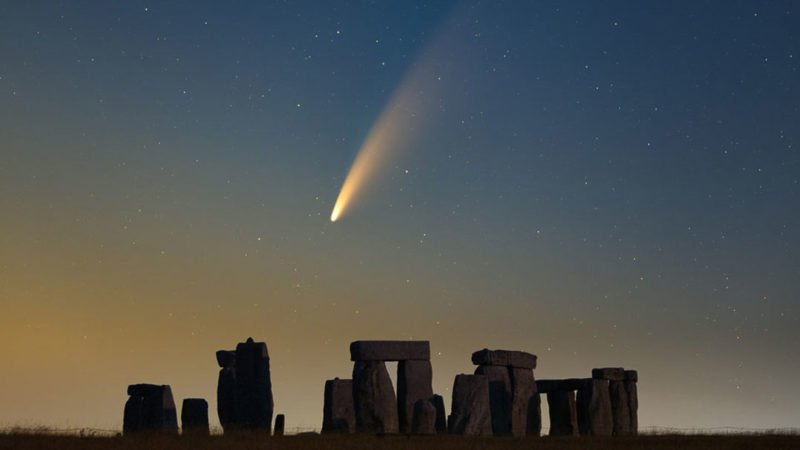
{"points": [[36, 441]]}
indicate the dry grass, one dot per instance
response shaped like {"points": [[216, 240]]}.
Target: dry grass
{"points": [[33, 440]]}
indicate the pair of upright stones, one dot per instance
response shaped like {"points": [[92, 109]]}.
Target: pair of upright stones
{"points": [[606, 405], [368, 404], [244, 389], [499, 399], [151, 407]]}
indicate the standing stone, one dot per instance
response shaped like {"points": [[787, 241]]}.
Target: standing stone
{"points": [[132, 419], [338, 414], [150, 408], [226, 388], [373, 398], [620, 411], [563, 413], [280, 423], [414, 383], [470, 414], [594, 408], [499, 397], [194, 417], [254, 404], [631, 378], [535, 416], [441, 417], [424, 417], [523, 388]]}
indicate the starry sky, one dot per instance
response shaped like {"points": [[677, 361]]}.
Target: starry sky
{"points": [[599, 183]]}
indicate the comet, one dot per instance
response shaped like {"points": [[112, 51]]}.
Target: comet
{"points": [[404, 117]]}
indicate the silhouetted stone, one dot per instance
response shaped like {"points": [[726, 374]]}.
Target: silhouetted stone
{"points": [[194, 416], [390, 350], [226, 397], [373, 398], [535, 415], [511, 358], [470, 414], [563, 413], [132, 420], [620, 414], [499, 397], [631, 377], [338, 414], [594, 408], [254, 404], [226, 358], [280, 424], [150, 408], [609, 373], [441, 415], [523, 388], [424, 417], [414, 383]]}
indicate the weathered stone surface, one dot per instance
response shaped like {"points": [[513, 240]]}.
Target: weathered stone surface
{"points": [[254, 404], [390, 350], [523, 388], [132, 419], [535, 416], [194, 416], [609, 373], [226, 397], [414, 383], [631, 375], [280, 424], [374, 400], [499, 380], [594, 408], [511, 358], [563, 413], [441, 415], [424, 417], [338, 414], [621, 415], [633, 405], [153, 411], [470, 414], [226, 358]]}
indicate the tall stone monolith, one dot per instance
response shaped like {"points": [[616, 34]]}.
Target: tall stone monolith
{"points": [[594, 408], [374, 400], [194, 417], [499, 381], [338, 414], [254, 403], [414, 383], [631, 378], [470, 411]]}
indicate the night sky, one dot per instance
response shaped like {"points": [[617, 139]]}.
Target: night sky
{"points": [[599, 183]]}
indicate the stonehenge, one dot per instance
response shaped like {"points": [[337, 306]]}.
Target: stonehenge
{"points": [[501, 398], [376, 407], [513, 395], [605, 405], [244, 387], [150, 408], [194, 417]]}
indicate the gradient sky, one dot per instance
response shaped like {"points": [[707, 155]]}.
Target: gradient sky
{"points": [[599, 183]]}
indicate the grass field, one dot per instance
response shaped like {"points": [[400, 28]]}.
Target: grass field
{"points": [[35, 441]]}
